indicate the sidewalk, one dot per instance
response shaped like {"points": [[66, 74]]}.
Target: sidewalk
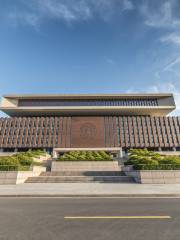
{"points": [[90, 190]]}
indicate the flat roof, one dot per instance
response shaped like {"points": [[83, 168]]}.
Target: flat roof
{"points": [[88, 96], [10, 104]]}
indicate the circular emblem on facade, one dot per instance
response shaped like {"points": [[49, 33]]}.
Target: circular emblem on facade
{"points": [[88, 131]]}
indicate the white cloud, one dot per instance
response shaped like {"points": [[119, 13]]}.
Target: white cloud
{"points": [[17, 18], [35, 12], [173, 38], [69, 10], [161, 14], [162, 88], [171, 64], [170, 67], [128, 5], [168, 87]]}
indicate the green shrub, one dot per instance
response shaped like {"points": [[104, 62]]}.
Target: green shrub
{"points": [[19, 161], [8, 168], [157, 167], [24, 160], [148, 160], [23, 168], [85, 156], [9, 161]]}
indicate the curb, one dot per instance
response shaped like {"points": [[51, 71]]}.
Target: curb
{"points": [[91, 196]]}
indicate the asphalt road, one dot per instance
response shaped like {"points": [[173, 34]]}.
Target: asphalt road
{"points": [[43, 219]]}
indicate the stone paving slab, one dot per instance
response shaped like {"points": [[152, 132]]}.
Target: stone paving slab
{"points": [[90, 189]]}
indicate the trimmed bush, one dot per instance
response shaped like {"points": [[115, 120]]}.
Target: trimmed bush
{"points": [[157, 167], [85, 156], [24, 160], [9, 168], [19, 161], [9, 161], [149, 160]]}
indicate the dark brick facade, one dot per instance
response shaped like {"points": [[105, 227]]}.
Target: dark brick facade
{"points": [[87, 132], [107, 131]]}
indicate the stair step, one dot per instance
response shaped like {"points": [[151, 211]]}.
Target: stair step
{"points": [[85, 166], [83, 173], [61, 179]]}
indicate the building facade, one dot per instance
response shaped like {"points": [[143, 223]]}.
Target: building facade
{"points": [[106, 121]]}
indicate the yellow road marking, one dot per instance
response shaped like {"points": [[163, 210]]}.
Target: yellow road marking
{"points": [[117, 217]]}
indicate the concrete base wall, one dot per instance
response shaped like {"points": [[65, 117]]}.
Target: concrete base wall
{"points": [[85, 166], [154, 176], [170, 153], [42, 158], [16, 177]]}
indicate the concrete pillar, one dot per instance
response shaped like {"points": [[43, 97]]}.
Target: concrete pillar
{"points": [[55, 154], [160, 149], [1, 150], [174, 149], [120, 153]]}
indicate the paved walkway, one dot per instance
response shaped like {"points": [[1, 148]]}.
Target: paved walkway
{"points": [[90, 189]]}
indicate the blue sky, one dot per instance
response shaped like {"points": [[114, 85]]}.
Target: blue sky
{"points": [[90, 46]]}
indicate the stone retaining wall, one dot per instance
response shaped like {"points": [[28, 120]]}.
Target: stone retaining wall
{"points": [[42, 158], [16, 177], [154, 176], [85, 166]]}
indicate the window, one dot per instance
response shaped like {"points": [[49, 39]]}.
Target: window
{"points": [[87, 102]]}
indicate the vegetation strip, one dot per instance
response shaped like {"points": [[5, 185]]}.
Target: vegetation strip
{"points": [[21, 161], [148, 160], [85, 156]]}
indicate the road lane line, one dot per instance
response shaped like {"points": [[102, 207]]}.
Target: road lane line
{"points": [[85, 197], [117, 217]]}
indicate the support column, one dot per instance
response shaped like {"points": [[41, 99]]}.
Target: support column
{"points": [[54, 154], [174, 149], [120, 153]]}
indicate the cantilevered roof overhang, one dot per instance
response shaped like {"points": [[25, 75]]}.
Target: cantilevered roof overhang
{"points": [[89, 96], [10, 105]]}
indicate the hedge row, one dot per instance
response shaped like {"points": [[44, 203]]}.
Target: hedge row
{"points": [[149, 160], [19, 161], [156, 167], [14, 168], [85, 156]]}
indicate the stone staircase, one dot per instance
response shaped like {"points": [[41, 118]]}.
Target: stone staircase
{"points": [[81, 177], [82, 172]]}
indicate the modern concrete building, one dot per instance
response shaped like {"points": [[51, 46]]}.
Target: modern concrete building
{"points": [[111, 122]]}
